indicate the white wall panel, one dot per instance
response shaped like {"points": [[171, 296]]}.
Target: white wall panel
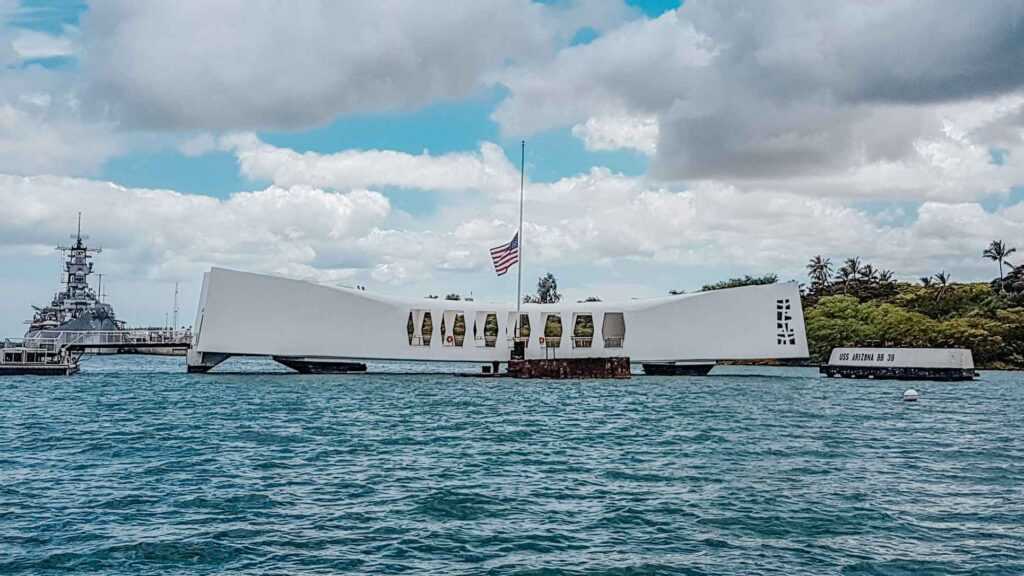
{"points": [[252, 314]]}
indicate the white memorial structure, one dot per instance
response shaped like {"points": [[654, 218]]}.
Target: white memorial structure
{"points": [[244, 314]]}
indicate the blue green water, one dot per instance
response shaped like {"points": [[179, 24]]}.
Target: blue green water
{"points": [[133, 467]]}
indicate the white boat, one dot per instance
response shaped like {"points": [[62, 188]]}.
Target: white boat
{"points": [[21, 359], [901, 363]]}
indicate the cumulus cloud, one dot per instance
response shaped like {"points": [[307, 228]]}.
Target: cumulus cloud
{"points": [[30, 44], [640, 67], [488, 169], [601, 216], [638, 133], [711, 222], [42, 127], [780, 89], [234, 64], [161, 233], [952, 164], [40, 134]]}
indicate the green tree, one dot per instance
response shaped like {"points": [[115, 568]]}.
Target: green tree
{"points": [[547, 291], [747, 280], [942, 284], [880, 311], [819, 270], [1013, 284], [553, 326], [997, 251], [848, 273]]}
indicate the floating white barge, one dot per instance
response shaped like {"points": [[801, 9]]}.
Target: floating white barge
{"points": [[901, 363], [21, 359], [245, 314]]}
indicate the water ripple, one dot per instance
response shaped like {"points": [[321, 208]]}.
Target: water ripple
{"points": [[135, 468]]}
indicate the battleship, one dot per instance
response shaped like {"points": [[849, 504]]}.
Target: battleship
{"points": [[78, 317]]}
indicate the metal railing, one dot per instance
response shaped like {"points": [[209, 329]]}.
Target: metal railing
{"points": [[54, 339], [582, 341], [419, 341], [613, 342]]}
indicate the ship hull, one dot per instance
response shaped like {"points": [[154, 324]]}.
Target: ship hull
{"points": [[28, 370], [862, 372]]}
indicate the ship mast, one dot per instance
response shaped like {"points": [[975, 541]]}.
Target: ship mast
{"points": [[175, 325], [77, 295]]}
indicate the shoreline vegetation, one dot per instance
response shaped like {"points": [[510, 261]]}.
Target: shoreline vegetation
{"points": [[857, 304]]}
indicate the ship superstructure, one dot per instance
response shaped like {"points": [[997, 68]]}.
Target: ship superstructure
{"points": [[76, 307], [78, 317]]}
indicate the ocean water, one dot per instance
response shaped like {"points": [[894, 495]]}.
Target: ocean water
{"points": [[133, 467]]}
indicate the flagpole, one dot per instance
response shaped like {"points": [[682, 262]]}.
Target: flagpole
{"points": [[519, 284]]}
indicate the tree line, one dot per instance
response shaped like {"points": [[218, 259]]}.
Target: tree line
{"points": [[859, 305]]}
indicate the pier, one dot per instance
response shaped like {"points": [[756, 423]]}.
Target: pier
{"points": [[168, 342]]}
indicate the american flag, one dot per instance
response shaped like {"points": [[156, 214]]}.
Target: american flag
{"points": [[506, 255]]}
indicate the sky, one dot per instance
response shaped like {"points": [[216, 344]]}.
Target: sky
{"points": [[378, 143]]}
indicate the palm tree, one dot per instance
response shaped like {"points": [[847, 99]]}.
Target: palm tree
{"points": [[926, 281], [848, 272], [868, 273], [852, 265], [942, 281], [819, 270], [997, 251], [886, 276]]}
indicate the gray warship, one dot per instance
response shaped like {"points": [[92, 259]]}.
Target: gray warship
{"points": [[76, 307], [78, 316]]}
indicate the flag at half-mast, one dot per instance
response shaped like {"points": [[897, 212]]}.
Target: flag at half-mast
{"points": [[506, 255]]}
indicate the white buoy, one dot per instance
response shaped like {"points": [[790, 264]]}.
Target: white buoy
{"points": [[911, 395]]}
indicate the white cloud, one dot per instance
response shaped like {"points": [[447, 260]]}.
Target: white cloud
{"points": [[234, 64], [487, 170], [638, 133], [783, 89], [600, 216], [30, 44], [161, 233], [37, 139], [640, 67]]}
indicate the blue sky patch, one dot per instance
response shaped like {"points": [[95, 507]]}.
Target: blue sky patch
{"points": [[47, 16], [654, 8], [213, 174]]}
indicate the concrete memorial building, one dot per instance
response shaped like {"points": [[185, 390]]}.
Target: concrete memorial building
{"points": [[245, 314]]}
